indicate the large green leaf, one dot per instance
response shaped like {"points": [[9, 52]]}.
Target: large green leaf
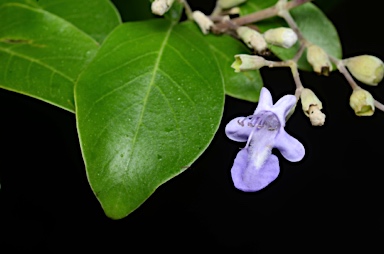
{"points": [[41, 55], [243, 85], [147, 106], [312, 22], [96, 18]]}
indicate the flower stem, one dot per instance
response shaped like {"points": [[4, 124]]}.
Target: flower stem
{"points": [[292, 24], [296, 78], [341, 67], [379, 105], [188, 10], [256, 16]]}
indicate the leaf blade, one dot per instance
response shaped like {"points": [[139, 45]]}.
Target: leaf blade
{"points": [[96, 18], [30, 55], [136, 127]]}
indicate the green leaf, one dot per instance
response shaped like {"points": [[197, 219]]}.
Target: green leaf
{"points": [[313, 24], [96, 17], [147, 106], [243, 85], [41, 55], [251, 6]]}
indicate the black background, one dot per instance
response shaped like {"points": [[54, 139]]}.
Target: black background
{"points": [[331, 200]]}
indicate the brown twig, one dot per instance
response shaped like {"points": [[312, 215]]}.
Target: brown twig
{"points": [[254, 17], [266, 13]]}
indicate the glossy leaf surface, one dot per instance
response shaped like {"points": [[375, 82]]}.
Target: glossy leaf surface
{"points": [[147, 106], [97, 18], [41, 55]]}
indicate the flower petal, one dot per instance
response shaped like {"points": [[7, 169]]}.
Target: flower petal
{"points": [[289, 146], [237, 131], [247, 178], [265, 101], [283, 106]]}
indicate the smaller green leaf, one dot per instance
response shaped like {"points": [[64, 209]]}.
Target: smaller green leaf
{"points": [[243, 85], [251, 6]]}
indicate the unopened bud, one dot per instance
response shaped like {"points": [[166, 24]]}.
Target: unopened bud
{"points": [[362, 102], [245, 62], [319, 60], [226, 4], [282, 37], [203, 21], [234, 11], [312, 107], [252, 38], [365, 68], [159, 7]]}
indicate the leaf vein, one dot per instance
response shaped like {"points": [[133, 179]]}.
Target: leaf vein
{"points": [[151, 84], [111, 93], [191, 66], [127, 63], [37, 62], [177, 85]]}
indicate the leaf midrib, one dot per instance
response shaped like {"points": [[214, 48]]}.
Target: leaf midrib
{"points": [[151, 84]]}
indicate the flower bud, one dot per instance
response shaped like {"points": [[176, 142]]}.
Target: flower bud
{"points": [[365, 68], [312, 107], [319, 60], [234, 11], [203, 21], [245, 62], [362, 102], [226, 4], [283, 37], [252, 38], [159, 7]]}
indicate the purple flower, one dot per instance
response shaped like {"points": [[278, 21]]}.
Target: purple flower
{"points": [[255, 166]]}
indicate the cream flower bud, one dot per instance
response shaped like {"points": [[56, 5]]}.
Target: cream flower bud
{"points": [[226, 4], [203, 21], [252, 38], [245, 62], [362, 102], [234, 11], [159, 7], [312, 107], [365, 68], [319, 60], [282, 37]]}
